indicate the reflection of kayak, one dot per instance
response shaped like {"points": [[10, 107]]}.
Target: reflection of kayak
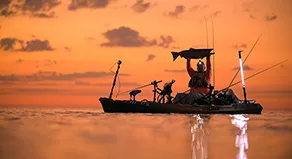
{"points": [[130, 106]]}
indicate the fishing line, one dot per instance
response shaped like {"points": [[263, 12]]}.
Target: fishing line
{"points": [[112, 67]]}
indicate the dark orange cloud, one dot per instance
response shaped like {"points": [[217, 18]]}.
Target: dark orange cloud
{"points": [[270, 18], [252, 16], [54, 76], [51, 91], [245, 67], [46, 62], [93, 4], [105, 84], [67, 48], [216, 13], [90, 38], [8, 43], [7, 13], [44, 15], [4, 8], [166, 41], [240, 46], [248, 6], [150, 57], [126, 37], [35, 45], [38, 5], [177, 11], [140, 6], [19, 61], [34, 8], [197, 7], [4, 3]]}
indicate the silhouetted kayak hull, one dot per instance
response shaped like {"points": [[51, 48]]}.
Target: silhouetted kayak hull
{"points": [[127, 106]]}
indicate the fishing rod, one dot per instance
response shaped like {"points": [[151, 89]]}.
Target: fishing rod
{"points": [[244, 79], [244, 61], [256, 74], [152, 83]]}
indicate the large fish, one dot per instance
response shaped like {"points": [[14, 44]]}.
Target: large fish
{"points": [[192, 53]]}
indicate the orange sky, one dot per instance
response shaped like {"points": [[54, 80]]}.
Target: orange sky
{"points": [[60, 52]]}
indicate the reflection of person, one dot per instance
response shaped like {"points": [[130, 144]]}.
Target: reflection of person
{"points": [[200, 79]]}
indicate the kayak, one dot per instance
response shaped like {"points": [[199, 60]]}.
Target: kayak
{"points": [[131, 106]]}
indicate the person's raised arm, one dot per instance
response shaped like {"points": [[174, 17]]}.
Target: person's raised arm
{"points": [[189, 68], [208, 71]]}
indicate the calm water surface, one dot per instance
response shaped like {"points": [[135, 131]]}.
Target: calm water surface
{"points": [[31, 133]]}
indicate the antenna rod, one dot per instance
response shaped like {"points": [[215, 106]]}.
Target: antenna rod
{"points": [[242, 75], [213, 55], [114, 83], [243, 62], [206, 30]]}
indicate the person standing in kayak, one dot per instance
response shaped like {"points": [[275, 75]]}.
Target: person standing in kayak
{"points": [[200, 79]]}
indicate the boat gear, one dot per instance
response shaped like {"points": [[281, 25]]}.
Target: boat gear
{"points": [[114, 82], [133, 94], [167, 90]]}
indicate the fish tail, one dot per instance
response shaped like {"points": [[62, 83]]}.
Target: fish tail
{"points": [[174, 55]]}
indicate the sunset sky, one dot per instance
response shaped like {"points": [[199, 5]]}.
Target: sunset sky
{"points": [[60, 52]]}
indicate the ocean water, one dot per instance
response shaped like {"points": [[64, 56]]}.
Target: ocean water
{"points": [[42, 133]]}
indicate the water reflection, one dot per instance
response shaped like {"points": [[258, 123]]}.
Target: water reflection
{"points": [[199, 133], [241, 140]]}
